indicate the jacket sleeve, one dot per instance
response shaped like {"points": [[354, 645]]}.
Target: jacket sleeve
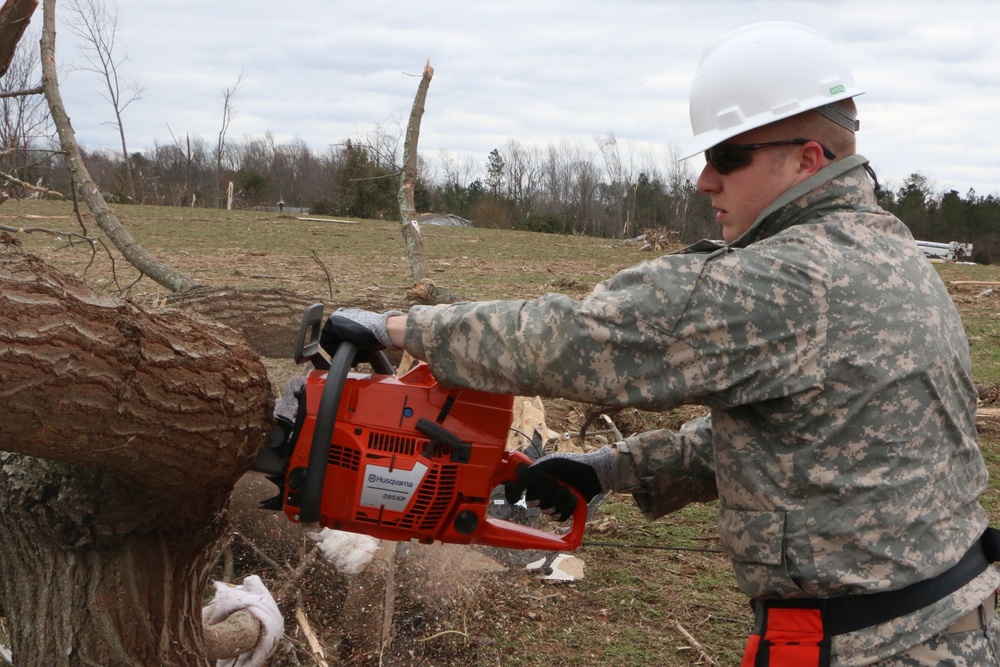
{"points": [[618, 346], [665, 470]]}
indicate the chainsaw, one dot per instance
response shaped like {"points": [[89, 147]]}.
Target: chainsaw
{"points": [[397, 458]]}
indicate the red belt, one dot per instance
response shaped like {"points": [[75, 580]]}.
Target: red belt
{"points": [[797, 633], [791, 637]]}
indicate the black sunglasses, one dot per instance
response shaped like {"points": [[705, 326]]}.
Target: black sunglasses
{"points": [[727, 158]]}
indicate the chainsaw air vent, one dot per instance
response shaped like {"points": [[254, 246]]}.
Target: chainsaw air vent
{"points": [[344, 457], [436, 494], [391, 444], [441, 500]]}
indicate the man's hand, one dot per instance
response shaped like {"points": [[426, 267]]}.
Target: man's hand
{"points": [[364, 328], [545, 482]]}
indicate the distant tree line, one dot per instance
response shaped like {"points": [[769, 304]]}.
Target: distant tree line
{"points": [[604, 189], [947, 217], [559, 189]]}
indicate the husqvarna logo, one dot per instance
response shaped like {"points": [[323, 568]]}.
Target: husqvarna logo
{"points": [[391, 489], [379, 479]]}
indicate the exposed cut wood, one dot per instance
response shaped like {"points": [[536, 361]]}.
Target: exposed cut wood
{"points": [[988, 414]]}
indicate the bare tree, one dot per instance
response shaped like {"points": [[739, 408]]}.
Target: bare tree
{"points": [[25, 125], [679, 189], [407, 209], [84, 185], [458, 170], [523, 174], [383, 143], [98, 25], [424, 289], [621, 174], [228, 112]]}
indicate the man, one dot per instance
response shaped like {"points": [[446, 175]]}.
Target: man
{"points": [[841, 441]]}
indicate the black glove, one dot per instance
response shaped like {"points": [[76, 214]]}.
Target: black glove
{"points": [[364, 328], [547, 480]]}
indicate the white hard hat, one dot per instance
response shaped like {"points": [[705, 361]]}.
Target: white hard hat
{"points": [[762, 73]]}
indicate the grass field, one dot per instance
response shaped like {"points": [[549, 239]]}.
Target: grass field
{"points": [[652, 590]]}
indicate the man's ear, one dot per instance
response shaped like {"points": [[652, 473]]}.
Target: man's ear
{"points": [[811, 158]]}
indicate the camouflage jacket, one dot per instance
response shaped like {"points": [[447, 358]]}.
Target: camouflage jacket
{"points": [[841, 442]]}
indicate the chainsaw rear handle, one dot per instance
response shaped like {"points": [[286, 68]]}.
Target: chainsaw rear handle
{"points": [[312, 319], [307, 344], [326, 416], [499, 533]]}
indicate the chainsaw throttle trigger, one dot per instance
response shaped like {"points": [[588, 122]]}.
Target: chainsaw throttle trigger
{"points": [[440, 437]]}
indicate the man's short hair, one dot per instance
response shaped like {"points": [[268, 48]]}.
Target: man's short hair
{"points": [[812, 125]]}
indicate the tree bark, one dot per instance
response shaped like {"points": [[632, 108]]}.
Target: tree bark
{"points": [[268, 318], [123, 435], [84, 185]]}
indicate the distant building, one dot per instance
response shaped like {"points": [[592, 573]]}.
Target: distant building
{"points": [[443, 220]]}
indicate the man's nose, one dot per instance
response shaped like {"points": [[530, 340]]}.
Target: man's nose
{"points": [[708, 181]]}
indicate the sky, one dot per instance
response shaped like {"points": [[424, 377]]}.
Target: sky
{"points": [[535, 71]]}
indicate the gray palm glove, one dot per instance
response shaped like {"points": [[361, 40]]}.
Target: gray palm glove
{"points": [[364, 328], [546, 480]]}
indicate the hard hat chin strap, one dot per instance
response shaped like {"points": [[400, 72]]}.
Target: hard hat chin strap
{"points": [[846, 118]]}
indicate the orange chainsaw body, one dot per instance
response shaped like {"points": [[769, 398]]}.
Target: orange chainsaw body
{"points": [[410, 459]]}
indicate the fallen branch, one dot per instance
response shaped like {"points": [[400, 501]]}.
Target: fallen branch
{"points": [[44, 191], [695, 645], [343, 222], [988, 414], [329, 280], [317, 649], [51, 232], [293, 576]]}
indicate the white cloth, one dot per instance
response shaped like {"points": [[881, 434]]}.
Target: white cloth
{"points": [[349, 553], [253, 596]]}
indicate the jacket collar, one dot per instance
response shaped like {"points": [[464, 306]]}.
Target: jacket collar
{"points": [[775, 218]]}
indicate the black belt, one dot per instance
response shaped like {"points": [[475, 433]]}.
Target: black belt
{"points": [[854, 612]]}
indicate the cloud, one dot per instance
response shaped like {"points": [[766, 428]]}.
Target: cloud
{"points": [[539, 73]]}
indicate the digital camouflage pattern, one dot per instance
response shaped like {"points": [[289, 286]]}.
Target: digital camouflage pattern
{"points": [[841, 442], [970, 648]]}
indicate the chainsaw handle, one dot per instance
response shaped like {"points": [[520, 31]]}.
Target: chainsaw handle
{"points": [[500, 533], [312, 319], [326, 416]]}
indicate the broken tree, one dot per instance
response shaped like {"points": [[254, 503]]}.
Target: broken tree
{"points": [[423, 288], [123, 435]]}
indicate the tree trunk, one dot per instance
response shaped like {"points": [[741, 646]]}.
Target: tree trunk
{"points": [[268, 318], [408, 179], [84, 185], [424, 289], [141, 425]]}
